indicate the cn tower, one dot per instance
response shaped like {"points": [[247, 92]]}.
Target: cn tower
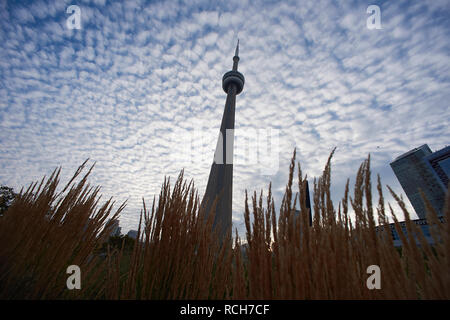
{"points": [[220, 182]]}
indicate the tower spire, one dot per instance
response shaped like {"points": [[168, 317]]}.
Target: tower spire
{"points": [[220, 182], [236, 57]]}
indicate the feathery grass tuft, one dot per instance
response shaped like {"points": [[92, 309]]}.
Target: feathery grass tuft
{"points": [[177, 254]]}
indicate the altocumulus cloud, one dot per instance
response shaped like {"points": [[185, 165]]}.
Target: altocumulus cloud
{"points": [[121, 89]]}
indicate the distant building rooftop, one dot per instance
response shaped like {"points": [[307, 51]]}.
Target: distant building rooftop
{"points": [[132, 234]]}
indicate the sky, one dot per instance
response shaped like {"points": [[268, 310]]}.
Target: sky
{"points": [[137, 90]]}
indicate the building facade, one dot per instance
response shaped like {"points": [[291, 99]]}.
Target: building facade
{"points": [[439, 161], [421, 169]]}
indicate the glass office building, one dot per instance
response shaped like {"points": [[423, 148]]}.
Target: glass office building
{"points": [[422, 169]]}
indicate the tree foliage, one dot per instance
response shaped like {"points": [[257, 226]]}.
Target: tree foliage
{"points": [[7, 196]]}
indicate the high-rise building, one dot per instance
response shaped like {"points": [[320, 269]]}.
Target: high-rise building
{"points": [[440, 163], [220, 182], [421, 169]]}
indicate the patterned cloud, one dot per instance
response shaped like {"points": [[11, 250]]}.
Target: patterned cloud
{"points": [[138, 90]]}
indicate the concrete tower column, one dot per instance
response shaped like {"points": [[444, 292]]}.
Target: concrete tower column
{"points": [[220, 182]]}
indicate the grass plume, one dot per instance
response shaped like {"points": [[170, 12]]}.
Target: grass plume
{"points": [[177, 255]]}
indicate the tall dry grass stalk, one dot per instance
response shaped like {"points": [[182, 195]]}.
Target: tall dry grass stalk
{"points": [[178, 256], [43, 232], [288, 259]]}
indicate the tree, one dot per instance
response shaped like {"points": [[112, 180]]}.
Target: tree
{"points": [[7, 196]]}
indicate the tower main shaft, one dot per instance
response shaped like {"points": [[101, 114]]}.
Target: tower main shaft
{"points": [[220, 182]]}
